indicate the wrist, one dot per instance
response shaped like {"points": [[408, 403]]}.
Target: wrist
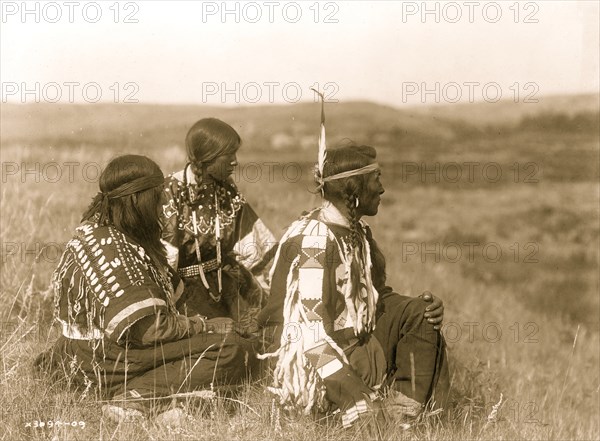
{"points": [[199, 322]]}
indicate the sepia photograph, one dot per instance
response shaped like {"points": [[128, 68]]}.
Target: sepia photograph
{"points": [[300, 220]]}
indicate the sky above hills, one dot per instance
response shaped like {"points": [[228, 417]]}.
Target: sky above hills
{"points": [[217, 53]]}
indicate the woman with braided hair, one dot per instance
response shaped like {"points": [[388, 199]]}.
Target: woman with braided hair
{"points": [[217, 243], [347, 339], [115, 298]]}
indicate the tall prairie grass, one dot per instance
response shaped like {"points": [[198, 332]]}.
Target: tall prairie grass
{"points": [[522, 335]]}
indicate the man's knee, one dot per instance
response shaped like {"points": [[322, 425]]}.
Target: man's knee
{"points": [[415, 309], [415, 317]]}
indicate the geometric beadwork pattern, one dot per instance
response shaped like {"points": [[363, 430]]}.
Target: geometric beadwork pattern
{"points": [[313, 309], [321, 355]]}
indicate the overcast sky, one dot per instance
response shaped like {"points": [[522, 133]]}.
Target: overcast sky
{"points": [[388, 52]]}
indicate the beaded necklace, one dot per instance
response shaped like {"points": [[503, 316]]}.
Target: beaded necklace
{"points": [[211, 225]]}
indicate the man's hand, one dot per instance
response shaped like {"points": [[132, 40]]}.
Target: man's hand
{"points": [[220, 325], [434, 313]]}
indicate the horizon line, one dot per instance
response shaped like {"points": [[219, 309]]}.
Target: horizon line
{"points": [[225, 106]]}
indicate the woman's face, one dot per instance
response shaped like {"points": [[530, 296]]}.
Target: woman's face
{"points": [[371, 195], [222, 167]]}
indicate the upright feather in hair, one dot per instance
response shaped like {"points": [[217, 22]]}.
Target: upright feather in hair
{"points": [[322, 142]]}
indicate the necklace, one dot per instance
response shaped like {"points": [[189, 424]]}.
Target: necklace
{"points": [[215, 218], [211, 201]]}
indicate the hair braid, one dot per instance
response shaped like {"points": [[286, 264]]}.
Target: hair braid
{"points": [[197, 171], [354, 226], [354, 244]]}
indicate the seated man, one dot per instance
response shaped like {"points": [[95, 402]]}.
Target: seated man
{"points": [[115, 297], [346, 337]]}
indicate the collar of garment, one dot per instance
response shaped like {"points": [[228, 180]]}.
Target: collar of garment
{"points": [[190, 177], [331, 215]]}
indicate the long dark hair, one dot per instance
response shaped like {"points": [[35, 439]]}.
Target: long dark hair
{"points": [[348, 190], [135, 215], [207, 139]]}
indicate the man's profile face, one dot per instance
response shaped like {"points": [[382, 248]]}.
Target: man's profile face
{"points": [[371, 197]]}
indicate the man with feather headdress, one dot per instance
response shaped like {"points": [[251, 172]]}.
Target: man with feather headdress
{"points": [[346, 339]]}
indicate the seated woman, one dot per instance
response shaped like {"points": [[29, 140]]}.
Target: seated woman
{"points": [[215, 240], [346, 337], [115, 297]]}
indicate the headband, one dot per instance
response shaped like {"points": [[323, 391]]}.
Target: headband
{"points": [[128, 188], [359, 171], [135, 186]]}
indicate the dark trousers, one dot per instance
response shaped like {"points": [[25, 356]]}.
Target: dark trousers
{"points": [[182, 366], [415, 352]]}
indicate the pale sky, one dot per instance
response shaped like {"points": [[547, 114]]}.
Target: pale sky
{"points": [[387, 51]]}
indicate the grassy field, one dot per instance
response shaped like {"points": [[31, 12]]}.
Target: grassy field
{"points": [[515, 258]]}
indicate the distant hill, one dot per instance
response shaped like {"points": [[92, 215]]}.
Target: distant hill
{"points": [[507, 112], [276, 127], [279, 125]]}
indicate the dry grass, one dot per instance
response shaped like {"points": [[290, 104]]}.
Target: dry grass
{"points": [[549, 386]]}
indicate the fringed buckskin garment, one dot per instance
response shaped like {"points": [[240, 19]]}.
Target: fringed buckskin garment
{"points": [[212, 224], [337, 349], [121, 331]]}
